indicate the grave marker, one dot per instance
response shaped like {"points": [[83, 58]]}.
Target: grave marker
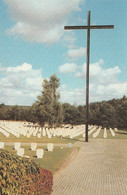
{"points": [[50, 147], [17, 145], [39, 153], [1, 145], [20, 152], [33, 146]]}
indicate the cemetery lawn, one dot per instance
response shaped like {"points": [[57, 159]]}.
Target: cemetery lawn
{"points": [[33, 139], [52, 161], [121, 134]]}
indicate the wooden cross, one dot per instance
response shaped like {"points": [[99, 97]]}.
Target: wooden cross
{"points": [[88, 27]]}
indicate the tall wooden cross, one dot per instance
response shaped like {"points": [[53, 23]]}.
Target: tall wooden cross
{"points": [[88, 27]]}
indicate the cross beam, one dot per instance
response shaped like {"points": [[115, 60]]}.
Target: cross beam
{"points": [[88, 27]]}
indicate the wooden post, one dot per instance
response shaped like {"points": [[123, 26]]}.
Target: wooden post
{"points": [[87, 77]]}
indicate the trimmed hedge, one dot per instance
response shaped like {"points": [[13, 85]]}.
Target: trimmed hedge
{"points": [[23, 176]]}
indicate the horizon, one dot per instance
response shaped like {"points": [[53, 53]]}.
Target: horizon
{"points": [[69, 103]]}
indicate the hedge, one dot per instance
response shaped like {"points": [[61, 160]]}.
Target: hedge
{"points": [[22, 176]]}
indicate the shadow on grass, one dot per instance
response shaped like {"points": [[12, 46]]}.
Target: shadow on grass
{"points": [[74, 139], [122, 133]]}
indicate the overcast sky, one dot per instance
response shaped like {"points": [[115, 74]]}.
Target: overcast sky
{"points": [[34, 45]]}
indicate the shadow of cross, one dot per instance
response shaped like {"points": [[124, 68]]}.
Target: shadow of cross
{"points": [[88, 28]]}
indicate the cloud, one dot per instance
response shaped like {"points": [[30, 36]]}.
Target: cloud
{"points": [[67, 68], [25, 67], [76, 53], [69, 39], [72, 96], [97, 93], [100, 92], [20, 85], [99, 74], [104, 83], [41, 21], [95, 70]]}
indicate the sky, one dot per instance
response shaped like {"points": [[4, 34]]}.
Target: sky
{"points": [[34, 46]]}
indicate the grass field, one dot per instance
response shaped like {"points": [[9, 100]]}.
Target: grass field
{"points": [[45, 139], [121, 134], [51, 160]]}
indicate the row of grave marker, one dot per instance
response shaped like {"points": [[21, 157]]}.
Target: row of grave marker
{"points": [[29, 129], [39, 151], [20, 151]]}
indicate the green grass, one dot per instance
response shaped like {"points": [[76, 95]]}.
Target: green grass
{"points": [[121, 134], [51, 160], [45, 139]]}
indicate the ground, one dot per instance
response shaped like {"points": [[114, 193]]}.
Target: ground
{"points": [[99, 168]]}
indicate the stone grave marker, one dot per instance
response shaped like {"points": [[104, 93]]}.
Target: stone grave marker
{"points": [[105, 133], [39, 135], [33, 146], [20, 152], [39, 153], [17, 145], [50, 147], [49, 136], [116, 129], [43, 132], [70, 145], [97, 132], [1, 144], [112, 132]]}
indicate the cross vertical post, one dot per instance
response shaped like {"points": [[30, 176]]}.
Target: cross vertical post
{"points": [[88, 27], [87, 77]]}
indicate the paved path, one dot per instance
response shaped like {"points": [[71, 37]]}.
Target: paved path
{"points": [[99, 168]]}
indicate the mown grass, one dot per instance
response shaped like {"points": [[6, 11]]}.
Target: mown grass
{"points": [[121, 134], [45, 139], [51, 160]]}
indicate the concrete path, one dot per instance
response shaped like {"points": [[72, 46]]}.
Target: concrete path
{"points": [[99, 168]]}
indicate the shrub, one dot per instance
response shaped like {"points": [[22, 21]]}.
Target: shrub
{"points": [[23, 176]]}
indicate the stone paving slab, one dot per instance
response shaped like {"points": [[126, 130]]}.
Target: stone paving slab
{"points": [[99, 168]]}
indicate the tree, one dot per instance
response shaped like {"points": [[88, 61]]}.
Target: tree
{"points": [[48, 108], [82, 114], [103, 114], [71, 114], [122, 114]]}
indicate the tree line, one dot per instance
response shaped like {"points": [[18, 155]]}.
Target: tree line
{"points": [[48, 110]]}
